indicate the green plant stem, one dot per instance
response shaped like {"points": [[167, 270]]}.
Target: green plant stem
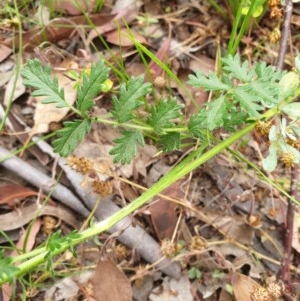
{"points": [[145, 128], [194, 160], [17, 68], [179, 171]]}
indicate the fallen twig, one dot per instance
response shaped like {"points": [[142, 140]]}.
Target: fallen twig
{"points": [[133, 236]]}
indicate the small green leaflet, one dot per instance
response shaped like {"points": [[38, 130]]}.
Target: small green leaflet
{"points": [[288, 85], [267, 73], [197, 124], [126, 148], [236, 69], [291, 109], [70, 136], [215, 113], [267, 93], [211, 83], [270, 162], [7, 269], [170, 141], [129, 99], [39, 77], [248, 101], [91, 86], [163, 113]]}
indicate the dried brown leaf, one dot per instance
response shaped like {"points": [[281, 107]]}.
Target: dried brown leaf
{"points": [[123, 38], [243, 287], [163, 212], [109, 283], [4, 52], [11, 195]]}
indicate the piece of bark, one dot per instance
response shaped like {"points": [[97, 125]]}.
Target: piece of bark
{"points": [[41, 181]]}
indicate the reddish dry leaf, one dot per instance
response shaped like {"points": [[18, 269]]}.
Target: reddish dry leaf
{"points": [[109, 283], [163, 212], [163, 55], [11, 195], [124, 38], [71, 7], [164, 218], [243, 287]]}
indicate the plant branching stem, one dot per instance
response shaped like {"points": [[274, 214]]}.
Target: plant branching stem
{"points": [[284, 272]]}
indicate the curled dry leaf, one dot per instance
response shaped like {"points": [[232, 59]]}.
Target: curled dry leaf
{"points": [[109, 283]]}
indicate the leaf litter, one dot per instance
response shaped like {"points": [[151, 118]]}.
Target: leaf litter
{"points": [[217, 205]]}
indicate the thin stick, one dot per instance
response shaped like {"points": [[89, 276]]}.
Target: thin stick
{"points": [[284, 272]]}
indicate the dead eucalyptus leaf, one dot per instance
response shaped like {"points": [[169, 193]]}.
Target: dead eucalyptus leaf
{"points": [[109, 283]]}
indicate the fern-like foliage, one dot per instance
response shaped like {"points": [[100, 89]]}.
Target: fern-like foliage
{"points": [[71, 135], [241, 93], [163, 113], [39, 78], [91, 87], [236, 69], [129, 99], [126, 148], [170, 141], [210, 83]]}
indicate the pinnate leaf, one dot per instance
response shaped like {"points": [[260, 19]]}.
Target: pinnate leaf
{"points": [[248, 101], [163, 113], [129, 99], [126, 148], [236, 69], [267, 73], [91, 86], [216, 112], [70, 136], [170, 141], [39, 78], [267, 93], [196, 125], [211, 83]]}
